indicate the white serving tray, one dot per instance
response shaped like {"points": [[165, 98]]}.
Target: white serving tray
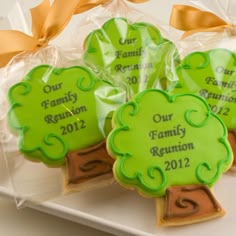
{"points": [[123, 212]]}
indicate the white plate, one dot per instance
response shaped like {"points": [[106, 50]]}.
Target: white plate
{"points": [[123, 212]]}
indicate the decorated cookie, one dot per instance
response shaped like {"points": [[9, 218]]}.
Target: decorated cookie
{"points": [[135, 55], [56, 111], [212, 75], [161, 141]]}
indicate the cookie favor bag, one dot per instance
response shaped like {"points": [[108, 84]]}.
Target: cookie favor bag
{"points": [[58, 116], [208, 57], [55, 115], [159, 146], [129, 46]]}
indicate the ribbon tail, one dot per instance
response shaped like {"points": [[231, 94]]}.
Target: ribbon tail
{"points": [[189, 18], [38, 17], [59, 16], [13, 42], [5, 58], [85, 5]]}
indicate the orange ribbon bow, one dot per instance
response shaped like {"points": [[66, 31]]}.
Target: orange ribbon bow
{"points": [[47, 22], [193, 20]]}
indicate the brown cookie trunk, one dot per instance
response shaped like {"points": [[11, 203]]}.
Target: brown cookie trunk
{"points": [[89, 163], [188, 204]]}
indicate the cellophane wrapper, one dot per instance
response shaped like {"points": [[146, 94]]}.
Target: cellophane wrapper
{"points": [[208, 60], [26, 117], [136, 50], [35, 182]]}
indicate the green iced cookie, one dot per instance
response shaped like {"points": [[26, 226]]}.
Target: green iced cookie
{"points": [[57, 110], [212, 75], [135, 55], [159, 141]]}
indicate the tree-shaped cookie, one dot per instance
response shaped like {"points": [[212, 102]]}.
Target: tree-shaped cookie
{"points": [[212, 75], [59, 110], [161, 141], [135, 55]]}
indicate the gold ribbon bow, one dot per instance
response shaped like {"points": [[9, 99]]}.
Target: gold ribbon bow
{"points": [[47, 22], [193, 20]]}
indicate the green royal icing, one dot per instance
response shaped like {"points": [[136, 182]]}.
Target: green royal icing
{"points": [[160, 141], [212, 75], [133, 54], [59, 110]]}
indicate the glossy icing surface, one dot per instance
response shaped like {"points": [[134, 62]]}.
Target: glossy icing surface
{"points": [[135, 55], [212, 75], [160, 141], [57, 110]]}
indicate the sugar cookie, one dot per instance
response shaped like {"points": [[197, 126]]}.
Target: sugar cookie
{"points": [[59, 110], [133, 54], [159, 141], [211, 75]]}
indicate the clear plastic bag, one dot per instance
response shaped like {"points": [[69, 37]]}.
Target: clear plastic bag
{"points": [[208, 57], [54, 108], [42, 178], [217, 31], [132, 48]]}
